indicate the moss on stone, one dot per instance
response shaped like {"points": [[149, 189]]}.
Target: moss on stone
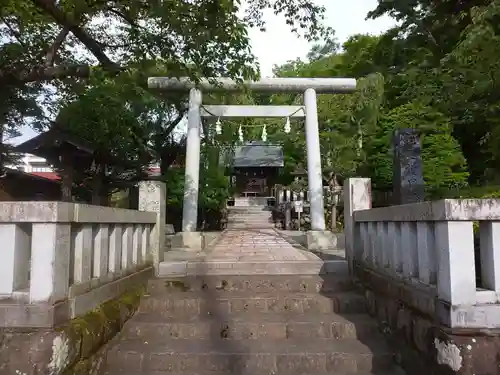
{"points": [[90, 328], [80, 368], [88, 334]]}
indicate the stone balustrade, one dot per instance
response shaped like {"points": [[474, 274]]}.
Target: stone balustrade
{"points": [[61, 260], [432, 247], [285, 195]]}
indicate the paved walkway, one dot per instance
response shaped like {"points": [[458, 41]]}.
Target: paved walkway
{"points": [[256, 245], [247, 252]]}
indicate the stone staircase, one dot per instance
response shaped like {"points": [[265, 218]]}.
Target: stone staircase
{"points": [[265, 324], [249, 213]]}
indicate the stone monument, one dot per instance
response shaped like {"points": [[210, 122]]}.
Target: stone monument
{"points": [[152, 198], [408, 180]]}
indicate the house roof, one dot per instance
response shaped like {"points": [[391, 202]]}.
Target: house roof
{"points": [[45, 144], [53, 176], [50, 138], [258, 154], [38, 176]]}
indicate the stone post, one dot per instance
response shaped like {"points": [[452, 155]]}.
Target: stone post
{"points": [[288, 216], [456, 279], [50, 262], [314, 174], [408, 180], [14, 267], [192, 173], [357, 196], [152, 198]]}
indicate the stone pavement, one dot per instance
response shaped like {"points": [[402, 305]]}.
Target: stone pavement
{"points": [[249, 252], [256, 245]]}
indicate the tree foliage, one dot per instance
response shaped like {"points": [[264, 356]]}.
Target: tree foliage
{"points": [[45, 40], [62, 43], [440, 76], [356, 130], [443, 164], [89, 59], [443, 54]]}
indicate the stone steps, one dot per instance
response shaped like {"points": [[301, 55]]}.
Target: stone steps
{"points": [[249, 209], [249, 217], [249, 214], [151, 326], [391, 371], [254, 217], [247, 265], [249, 220], [269, 356], [245, 325], [198, 303], [250, 201], [254, 284]]}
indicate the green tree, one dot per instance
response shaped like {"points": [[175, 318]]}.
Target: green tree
{"points": [[203, 37], [443, 54], [444, 166], [65, 43]]}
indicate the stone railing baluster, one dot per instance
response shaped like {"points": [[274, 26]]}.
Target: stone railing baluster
{"points": [[16, 248]]}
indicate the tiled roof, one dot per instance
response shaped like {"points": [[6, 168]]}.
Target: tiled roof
{"points": [[258, 154], [48, 175], [154, 171]]}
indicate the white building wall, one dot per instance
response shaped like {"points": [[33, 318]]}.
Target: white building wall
{"points": [[31, 163]]}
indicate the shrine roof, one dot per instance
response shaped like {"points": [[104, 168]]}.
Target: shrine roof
{"points": [[258, 154], [47, 143]]}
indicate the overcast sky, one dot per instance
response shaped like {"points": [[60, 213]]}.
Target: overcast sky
{"points": [[278, 45]]}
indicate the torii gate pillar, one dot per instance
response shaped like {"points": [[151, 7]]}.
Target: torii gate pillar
{"points": [[308, 86], [192, 172], [314, 173]]}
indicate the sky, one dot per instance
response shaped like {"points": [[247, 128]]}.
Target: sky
{"points": [[278, 44]]}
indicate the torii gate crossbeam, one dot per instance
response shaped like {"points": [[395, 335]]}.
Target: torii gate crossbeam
{"points": [[308, 86]]}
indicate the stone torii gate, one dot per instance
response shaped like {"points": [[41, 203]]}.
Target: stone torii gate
{"points": [[308, 86]]}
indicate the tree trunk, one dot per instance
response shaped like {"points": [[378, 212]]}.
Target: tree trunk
{"points": [[66, 178], [334, 218], [2, 153], [97, 180], [67, 185], [360, 139], [332, 185]]}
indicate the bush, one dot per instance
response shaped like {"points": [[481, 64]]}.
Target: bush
{"points": [[444, 166], [212, 198]]}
